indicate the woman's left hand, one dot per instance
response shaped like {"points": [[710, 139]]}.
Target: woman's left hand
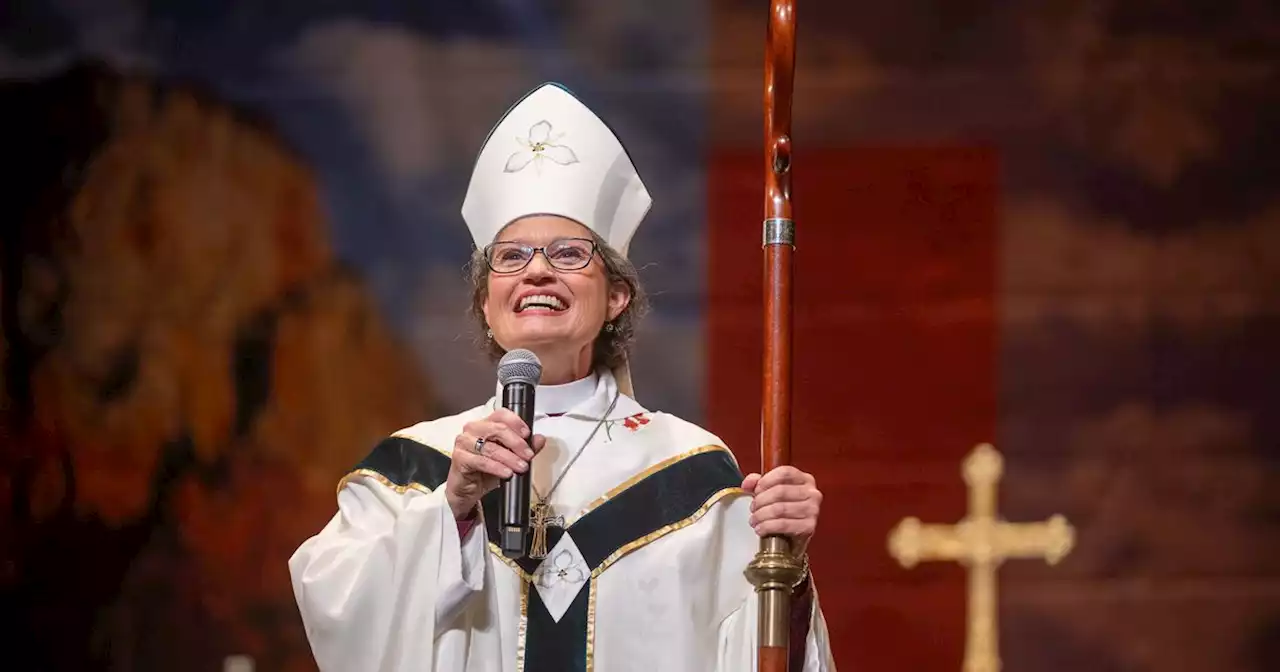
{"points": [[785, 501]]}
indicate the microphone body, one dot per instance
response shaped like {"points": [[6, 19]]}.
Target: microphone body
{"points": [[519, 372], [518, 398]]}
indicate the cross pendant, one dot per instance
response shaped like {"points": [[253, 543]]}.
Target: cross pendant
{"points": [[540, 518]]}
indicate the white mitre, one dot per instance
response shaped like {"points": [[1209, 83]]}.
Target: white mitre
{"points": [[551, 155]]}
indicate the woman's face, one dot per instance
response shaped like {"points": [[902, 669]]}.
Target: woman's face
{"points": [[551, 311]]}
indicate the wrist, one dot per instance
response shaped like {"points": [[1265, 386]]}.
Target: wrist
{"points": [[462, 511]]}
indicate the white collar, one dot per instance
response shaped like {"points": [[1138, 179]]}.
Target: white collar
{"points": [[560, 399], [587, 398]]}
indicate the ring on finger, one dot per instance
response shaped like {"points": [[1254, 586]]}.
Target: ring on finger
{"points": [[479, 447]]}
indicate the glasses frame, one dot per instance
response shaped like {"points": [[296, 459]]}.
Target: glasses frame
{"points": [[533, 252]]}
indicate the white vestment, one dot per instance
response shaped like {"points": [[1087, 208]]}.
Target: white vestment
{"points": [[652, 582]]}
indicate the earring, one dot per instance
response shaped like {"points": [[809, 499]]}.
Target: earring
{"points": [[608, 327], [488, 333]]}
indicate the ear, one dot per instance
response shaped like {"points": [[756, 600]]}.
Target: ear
{"points": [[619, 298], [484, 308]]}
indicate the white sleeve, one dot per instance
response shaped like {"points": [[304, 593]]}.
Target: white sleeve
{"points": [[384, 578], [734, 547], [739, 638]]}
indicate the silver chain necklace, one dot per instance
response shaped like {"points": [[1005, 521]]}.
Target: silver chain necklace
{"points": [[581, 448], [540, 513]]}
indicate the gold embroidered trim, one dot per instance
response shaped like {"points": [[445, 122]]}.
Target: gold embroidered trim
{"points": [[400, 489], [665, 530], [636, 544], [648, 538], [655, 468], [524, 627], [525, 577], [591, 626]]}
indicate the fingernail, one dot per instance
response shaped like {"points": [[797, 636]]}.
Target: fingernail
{"points": [[506, 473], [523, 465]]}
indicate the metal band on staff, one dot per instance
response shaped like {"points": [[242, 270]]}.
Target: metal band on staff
{"points": [[779, 232]]}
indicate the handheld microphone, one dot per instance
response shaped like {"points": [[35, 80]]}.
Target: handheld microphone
{"points": [[519, 372]]}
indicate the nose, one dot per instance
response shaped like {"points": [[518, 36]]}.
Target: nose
{"points": [[539, 268]]}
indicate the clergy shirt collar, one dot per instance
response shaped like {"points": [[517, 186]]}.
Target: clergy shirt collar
{"points": [[587, 398], [560, 399]]}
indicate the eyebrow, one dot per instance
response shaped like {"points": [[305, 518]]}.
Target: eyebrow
{"points": [[549, 241]]}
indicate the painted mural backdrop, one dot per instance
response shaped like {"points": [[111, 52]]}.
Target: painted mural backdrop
{"points": [[231, 259]]}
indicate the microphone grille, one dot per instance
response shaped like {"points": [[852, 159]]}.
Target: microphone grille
{"points": [[519, 366]]}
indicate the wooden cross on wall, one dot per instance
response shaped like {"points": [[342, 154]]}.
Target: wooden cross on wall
{"points": [[982, 541]]}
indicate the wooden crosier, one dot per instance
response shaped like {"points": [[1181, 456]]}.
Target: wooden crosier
{"points": [[775, 570]]}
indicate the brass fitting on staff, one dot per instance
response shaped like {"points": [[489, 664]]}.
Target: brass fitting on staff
{"points": [[775, 572]]}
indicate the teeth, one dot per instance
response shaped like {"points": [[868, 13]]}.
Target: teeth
{"points": [[545, 300]]}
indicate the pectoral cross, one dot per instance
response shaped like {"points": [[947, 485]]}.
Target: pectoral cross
{"points": [[982, 541], [540, 517]]}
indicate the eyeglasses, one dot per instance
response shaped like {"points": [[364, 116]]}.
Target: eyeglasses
{"points": [[565, 254]]}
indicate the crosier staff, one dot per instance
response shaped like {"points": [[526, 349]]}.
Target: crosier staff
{"points": [[774, 570]]}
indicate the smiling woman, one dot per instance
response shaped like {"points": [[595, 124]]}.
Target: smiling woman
{"points": [[409, 570], [557, 303], [572, 255]]}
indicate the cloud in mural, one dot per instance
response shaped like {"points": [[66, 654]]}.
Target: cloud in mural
{"points": [[835, 78], [423, 105], [111, 31], [1208, 479], [1168, 502], [1146, 101], [1209, 483], [1061, 263], [673, 32]]}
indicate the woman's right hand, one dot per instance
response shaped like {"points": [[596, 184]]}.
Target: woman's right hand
{"points": [[504, 451]]}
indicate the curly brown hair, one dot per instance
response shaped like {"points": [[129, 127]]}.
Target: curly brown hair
{"points": [[611, 346]]}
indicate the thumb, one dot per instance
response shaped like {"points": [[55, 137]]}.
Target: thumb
{"points": [[749, 483]]}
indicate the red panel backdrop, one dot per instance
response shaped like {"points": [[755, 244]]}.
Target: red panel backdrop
{"points": [[895, 375]]}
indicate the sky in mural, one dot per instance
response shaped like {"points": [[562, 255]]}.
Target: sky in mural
{"points": [[389, 102]]}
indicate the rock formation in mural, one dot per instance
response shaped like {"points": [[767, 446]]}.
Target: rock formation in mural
{"points": [[187, 371]]}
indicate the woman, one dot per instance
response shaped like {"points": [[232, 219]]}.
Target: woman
{"points": [[646, 522]]}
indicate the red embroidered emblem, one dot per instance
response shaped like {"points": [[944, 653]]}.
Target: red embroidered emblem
{"points": [[634, 422]]}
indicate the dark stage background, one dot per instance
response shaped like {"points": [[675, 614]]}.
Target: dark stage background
{"points": [[231, 260]]}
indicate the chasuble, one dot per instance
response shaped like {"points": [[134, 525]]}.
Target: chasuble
{"points": [[643, 569]]}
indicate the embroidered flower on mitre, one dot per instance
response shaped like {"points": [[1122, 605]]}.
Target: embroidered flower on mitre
{"points": [[540, 146], [562, 567], [635, 422]]}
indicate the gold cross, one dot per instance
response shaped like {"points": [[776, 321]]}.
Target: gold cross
{"points": [[982, 541], [542, 516]]}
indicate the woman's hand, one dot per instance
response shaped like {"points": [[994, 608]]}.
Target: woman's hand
{"points": [[472, 475], [785, 501]]}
